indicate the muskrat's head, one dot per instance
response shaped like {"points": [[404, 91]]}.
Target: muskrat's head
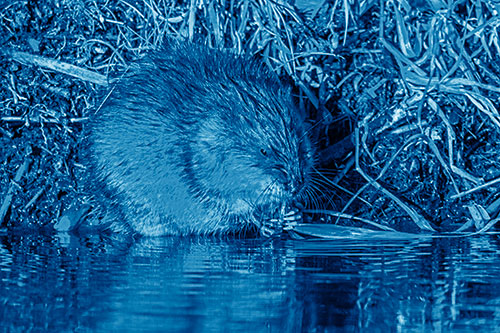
{"points": [[251, 153]]}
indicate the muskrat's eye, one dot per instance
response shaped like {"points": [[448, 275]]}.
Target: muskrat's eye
{"points": [[263, 151]]}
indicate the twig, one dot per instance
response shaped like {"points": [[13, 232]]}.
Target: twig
{"points": [[59, 66], [35, 198], [39, 120], [10, 193], [477, 188], [340, 215]]}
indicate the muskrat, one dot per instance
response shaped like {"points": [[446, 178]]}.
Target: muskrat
{"points": [[194, 140]]}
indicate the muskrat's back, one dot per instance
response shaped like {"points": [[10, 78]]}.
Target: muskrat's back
{"points": [[196, 140]]}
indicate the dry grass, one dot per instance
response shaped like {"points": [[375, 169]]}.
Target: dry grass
{"points": [[402, 96]]}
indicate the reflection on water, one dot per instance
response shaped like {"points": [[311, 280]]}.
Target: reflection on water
{"points": [[52, 283]]}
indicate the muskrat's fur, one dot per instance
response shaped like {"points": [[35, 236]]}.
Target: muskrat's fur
{"points": [[194, 141]]}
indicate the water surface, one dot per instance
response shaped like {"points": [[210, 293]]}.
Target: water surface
{"points": [[66, 283]]}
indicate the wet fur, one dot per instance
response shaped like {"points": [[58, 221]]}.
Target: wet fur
{"points": [[196, 141]]}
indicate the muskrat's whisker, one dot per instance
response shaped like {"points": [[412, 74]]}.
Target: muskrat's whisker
{"points": [[322, 172], [316, 187], [323, 191], [325, 182], [315, 195], [261, 196], [325, 172], [309, 130], [308, 198], [320, 184], [320, 180]]}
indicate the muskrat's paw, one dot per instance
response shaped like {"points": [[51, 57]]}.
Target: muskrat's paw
{"points": [[270, 227], [285, 222], [291, 219]]}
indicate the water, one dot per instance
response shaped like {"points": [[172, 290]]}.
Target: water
{"points": [[65, 283]]}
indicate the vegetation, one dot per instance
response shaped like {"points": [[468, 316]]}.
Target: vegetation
{"points": [[402, 97]]}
